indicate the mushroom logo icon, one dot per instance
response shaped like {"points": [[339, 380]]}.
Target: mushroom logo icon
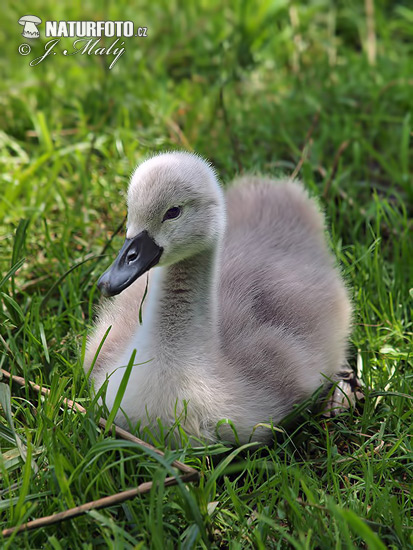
{"points": [[30, 23]]}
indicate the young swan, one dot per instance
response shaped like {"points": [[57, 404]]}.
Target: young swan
{"points": [[245, 313]]}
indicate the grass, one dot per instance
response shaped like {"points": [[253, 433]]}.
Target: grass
{"points": [[271, 87]]}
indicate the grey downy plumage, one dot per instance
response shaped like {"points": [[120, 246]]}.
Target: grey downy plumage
{"points": [[246, 313]]}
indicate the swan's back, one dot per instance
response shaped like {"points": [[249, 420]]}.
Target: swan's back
{"points": [[284, 312]]}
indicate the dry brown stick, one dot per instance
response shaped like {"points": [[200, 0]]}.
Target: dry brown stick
{"points": [[176, 129], [62, 132], [304, 155], [307, 144], [108, 243], [6, 345], [337, 156], [123, 434], [104, 502]]}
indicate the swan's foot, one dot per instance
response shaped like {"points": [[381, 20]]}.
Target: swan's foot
{"points": [[347, 391]]}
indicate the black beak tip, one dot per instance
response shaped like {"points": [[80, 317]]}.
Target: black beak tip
{"points": [[136, 257], [104, 285]]}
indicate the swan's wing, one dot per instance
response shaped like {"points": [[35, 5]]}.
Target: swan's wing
{"points": [[284, 311]]}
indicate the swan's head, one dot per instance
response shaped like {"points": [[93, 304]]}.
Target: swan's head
{"points": [[176, 209]]}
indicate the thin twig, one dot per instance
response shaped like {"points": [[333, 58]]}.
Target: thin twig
{"points": [[62, 132], [307, 145], [96, 504], [32, 282], [304, 156], [109, 242], [337, 156], [123, 434], [6, 345], [175, 128], [102, 253]]}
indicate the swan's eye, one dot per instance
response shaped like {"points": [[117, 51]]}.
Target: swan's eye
{"points": [[172, 213]]}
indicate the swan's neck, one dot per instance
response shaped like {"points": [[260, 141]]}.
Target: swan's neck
{"points": [[183, 307]]}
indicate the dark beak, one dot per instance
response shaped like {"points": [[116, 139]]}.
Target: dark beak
{"points": [[136, 256]]}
